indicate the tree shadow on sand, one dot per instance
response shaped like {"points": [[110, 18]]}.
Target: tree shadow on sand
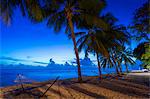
{"points": [[72, 85], [28, 94], [123, 88]]}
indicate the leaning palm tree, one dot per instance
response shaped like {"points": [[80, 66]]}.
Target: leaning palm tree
{"points": [[92, 44], [98, 40], [71, 13], [118, 35]]}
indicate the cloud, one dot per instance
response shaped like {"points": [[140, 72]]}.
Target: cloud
{"points": [[84, 61], [20, 60], [40, 62], [12, 59]]}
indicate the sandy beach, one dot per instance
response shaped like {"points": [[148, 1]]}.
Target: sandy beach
{"points": [[91, 88], [141, 78]]}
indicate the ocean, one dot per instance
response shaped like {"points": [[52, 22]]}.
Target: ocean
{"points": [[8, 76]]}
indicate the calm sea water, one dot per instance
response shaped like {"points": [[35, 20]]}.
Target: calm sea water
{"points": [[8, 76]]}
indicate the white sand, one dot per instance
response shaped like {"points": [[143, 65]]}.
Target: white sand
{"points": [[140, 74]]}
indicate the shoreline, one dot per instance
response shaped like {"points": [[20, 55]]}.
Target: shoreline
{"points": [[90, 88], [129, 75]]}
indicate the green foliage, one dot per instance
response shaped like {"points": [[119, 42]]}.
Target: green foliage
{"points": [[141, 21], [104, 41], [6, 8], [34, 10], [91, 43], [30, 8], [142, 52], [139, 50], [92, 6], [125, 56], [141, 27], [146, 56]]}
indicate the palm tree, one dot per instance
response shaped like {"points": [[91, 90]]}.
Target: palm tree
{"points": [[99, 41], [119, 61], [141, 52], [111, 61], [125, 56], [140, 24], [92, 44], [71, 13], [30, 8], [118, 35]]}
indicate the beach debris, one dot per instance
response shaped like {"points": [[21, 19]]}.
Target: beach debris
{"points": [[50, 86]]}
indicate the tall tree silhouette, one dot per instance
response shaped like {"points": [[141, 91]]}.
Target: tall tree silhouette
{"points": [[71, 13], [91, 44], [99, 40], [140, 26], [125, 56]]}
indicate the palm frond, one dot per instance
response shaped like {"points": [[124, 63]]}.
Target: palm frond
{"points": [[79, 34]]}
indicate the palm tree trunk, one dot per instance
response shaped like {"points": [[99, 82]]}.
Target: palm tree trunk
{"points": [[99, 67], [75, 47], [126, 68], [120, 67], [117, 70]]}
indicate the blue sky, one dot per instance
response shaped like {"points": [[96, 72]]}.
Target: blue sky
{"points": [[36, 42]]}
